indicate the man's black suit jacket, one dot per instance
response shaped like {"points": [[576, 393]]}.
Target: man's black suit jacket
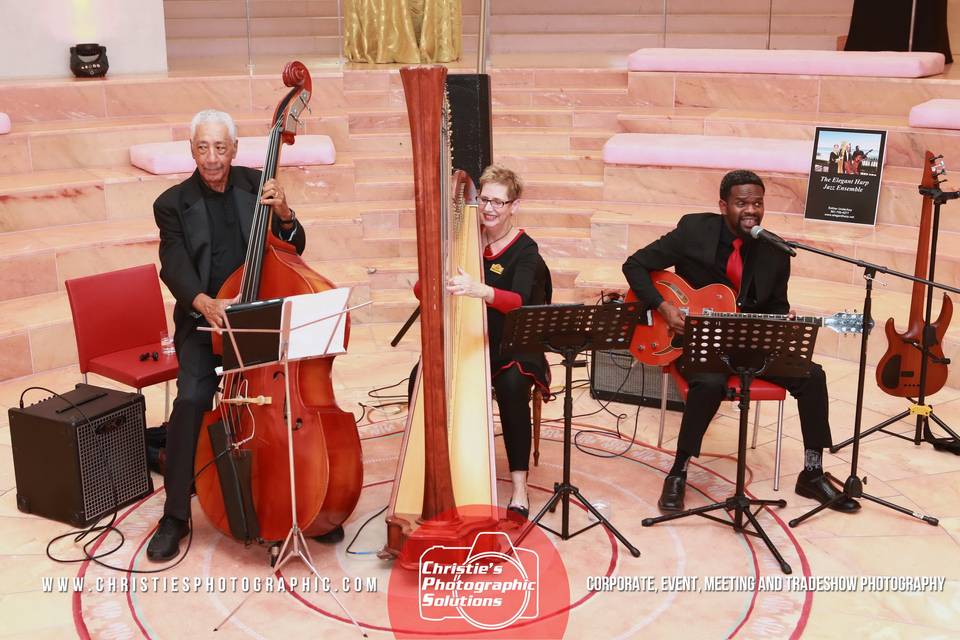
{"points": [[185, 251], [691, 248]]}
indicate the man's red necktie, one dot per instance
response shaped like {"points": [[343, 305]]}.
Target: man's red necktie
{"points": [[735, 264]]}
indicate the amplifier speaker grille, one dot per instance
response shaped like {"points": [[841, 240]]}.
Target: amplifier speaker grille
{"points": [[619, 377], [67, 467]]}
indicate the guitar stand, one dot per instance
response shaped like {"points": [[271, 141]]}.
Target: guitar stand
{"points": [[923, 412]]}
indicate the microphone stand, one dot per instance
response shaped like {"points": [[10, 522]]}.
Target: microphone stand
{"points": [[853, 487]]}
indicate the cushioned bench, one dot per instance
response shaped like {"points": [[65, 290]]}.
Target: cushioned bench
{"points": [[883, 64], [712, 152], [4, 123], [939, 113], [174, 157]]}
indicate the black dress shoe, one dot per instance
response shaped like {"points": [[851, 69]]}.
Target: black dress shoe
{"points": [[671, 498], [330, 537], [165, 543], [814, 484]]}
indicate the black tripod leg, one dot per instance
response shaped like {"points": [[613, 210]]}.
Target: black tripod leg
{"points": [[919, 516], [873, 429], [537, 518], [951, 443], [649, 522], [820, 507], [763, 534], [606, 523]]}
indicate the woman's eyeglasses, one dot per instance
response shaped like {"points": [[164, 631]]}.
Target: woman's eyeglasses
{"points": [[496, 203]]}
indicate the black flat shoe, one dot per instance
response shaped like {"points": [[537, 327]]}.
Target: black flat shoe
{"points": [[671, 498], [330, 537], [816, 487], [522, 513], [165, 543]]}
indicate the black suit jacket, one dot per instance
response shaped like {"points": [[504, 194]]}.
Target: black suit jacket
{"points": [[185, 251], [691, 249]]}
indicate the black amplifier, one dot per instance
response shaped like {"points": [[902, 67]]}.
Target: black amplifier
{"points": [[617, 376], [76, 463]]}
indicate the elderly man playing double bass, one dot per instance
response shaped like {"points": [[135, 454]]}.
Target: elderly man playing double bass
{"points": [[204, 222]]}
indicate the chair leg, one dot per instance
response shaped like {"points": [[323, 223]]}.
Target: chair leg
{"points": [[756, 425], [85, 379], [166, 400], [776, 460], [537, 406], [663, 404]]}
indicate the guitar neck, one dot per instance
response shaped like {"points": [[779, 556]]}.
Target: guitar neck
{"points": [[815, 320]]}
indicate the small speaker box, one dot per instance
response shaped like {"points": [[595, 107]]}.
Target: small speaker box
{"points": [[77, 461], [617, 376]]}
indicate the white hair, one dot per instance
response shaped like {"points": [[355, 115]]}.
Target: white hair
{"points": [[213, 116]]}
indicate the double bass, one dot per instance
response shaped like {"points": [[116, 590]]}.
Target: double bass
{"points": [[898, 371], [248, 441]]}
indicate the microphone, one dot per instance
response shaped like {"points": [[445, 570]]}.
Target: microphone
{"points": [[759, 233]]}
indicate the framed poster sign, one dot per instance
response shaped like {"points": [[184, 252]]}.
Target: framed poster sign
{"points": [[845, 175]]}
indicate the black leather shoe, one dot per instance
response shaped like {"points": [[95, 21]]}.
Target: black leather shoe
{"points": [[333, 536], [816, 486], [165, 543], [671, 498]]}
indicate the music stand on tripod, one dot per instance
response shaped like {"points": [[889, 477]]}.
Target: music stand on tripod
{"points": [[570, 330], [310, 325], [747, 348]]}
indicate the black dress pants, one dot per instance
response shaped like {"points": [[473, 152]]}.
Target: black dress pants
{"points": [[196, 385], [513, 398], [707, 391]]}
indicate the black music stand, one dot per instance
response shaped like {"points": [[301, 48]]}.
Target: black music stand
{"points": [[569, 330], [746, 347]]}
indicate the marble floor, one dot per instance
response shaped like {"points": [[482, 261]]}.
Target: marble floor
{"points": [[875, 542]]}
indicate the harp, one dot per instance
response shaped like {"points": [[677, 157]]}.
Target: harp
{"points": [[445, 486]]}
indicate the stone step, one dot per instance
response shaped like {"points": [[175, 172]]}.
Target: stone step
{"points": [[189, 47], [905, 145], [197, 9], [275, 26], [45, 198], [106, 142], [138, 97]]}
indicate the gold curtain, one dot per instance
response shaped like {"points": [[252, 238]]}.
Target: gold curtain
{"points": [[408, 31]]}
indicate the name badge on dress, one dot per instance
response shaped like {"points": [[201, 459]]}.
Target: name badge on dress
{"points": [[496, 268]]}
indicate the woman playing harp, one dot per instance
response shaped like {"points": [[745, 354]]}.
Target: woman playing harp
{"points": [[514, 275]]}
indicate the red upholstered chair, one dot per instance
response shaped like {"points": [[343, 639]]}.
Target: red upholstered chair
{"points": [[760, 390], [117, 316]]}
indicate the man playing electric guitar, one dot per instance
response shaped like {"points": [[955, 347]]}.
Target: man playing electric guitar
{"points": [[706, 248]]}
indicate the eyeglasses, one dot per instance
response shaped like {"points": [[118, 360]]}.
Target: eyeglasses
{"points": [[496, 203]]}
